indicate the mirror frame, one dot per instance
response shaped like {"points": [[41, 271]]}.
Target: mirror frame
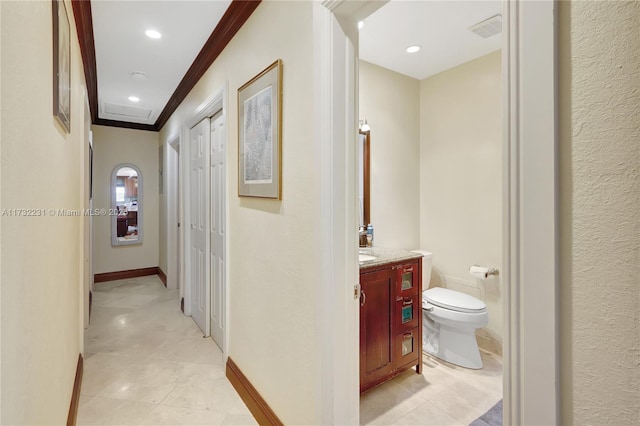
{"points": [[114, 208], [366, 170]]}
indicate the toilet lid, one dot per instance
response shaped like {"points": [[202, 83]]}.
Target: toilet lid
{"points": [[453, 300]]}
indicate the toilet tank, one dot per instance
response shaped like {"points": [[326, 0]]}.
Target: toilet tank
{"points": [[427, 263]]}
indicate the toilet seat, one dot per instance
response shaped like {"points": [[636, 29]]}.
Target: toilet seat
{"points": [[453, 300]]}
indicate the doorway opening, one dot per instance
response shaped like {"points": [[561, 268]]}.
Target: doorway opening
{"points": [[528, 204], [174, 209], [430, 93]]}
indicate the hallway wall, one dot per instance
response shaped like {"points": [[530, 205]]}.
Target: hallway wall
{"points": [[42, 167], [599, 212], [113, 146], [274, 265]]}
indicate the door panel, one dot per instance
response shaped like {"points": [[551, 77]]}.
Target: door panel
{"points": [[218, 231], [199, 141]]}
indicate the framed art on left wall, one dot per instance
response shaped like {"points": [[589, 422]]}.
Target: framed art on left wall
{"points": [[61, 64]]}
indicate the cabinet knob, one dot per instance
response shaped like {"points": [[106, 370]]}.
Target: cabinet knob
{"points": [[407, 302], [363, 298]]}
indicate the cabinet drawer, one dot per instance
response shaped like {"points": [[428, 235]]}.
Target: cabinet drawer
{"points": [[407, 279], [407, 313], [406, 348]]}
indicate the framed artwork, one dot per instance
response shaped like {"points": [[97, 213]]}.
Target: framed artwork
{"points": [[61, 65], [260, 135]]}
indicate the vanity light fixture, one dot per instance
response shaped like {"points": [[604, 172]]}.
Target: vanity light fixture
{"points": [[360, 24], [134, 99], [153, 34], [413, 49]]}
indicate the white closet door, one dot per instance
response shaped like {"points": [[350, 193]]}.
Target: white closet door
{"points": [[218, 231], [199, 188]]}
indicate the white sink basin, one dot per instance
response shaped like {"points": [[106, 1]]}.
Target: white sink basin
{"points": [[365, 257]]}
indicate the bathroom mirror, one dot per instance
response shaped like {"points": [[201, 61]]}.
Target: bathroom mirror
{"points": [[126, 205], [364, 140]]}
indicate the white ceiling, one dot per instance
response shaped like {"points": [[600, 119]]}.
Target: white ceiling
{"points": [[440, 27], [123, 48]]}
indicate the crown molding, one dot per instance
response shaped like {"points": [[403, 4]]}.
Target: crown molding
{"points": [[233, 19]]}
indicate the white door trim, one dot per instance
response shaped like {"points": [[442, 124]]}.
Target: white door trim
{"points": [[171, 202], [530, 211], [212, 105], [335, 89], [530, 266]]}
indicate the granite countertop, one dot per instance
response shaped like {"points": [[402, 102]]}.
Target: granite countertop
{"points": [[385, 256]]}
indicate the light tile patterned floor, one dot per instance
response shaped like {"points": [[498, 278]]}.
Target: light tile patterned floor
{"points": [[148, 364], [443, 395]]}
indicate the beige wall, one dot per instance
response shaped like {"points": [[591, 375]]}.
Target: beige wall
{"points": [[461, 179], [42, 168], [273, 264], [390, 102], [600, 212], [113, 146]]}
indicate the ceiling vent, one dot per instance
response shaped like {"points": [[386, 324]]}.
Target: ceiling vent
{"points": [[488, 27], [127, 111]]}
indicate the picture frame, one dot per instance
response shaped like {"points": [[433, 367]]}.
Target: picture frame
{"points": [[260, 134], [61, 64]]}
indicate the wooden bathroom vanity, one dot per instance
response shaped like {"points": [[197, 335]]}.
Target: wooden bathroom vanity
{"points": [[390, 315]]}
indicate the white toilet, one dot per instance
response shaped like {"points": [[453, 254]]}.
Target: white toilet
{"points": [[450, 319]]}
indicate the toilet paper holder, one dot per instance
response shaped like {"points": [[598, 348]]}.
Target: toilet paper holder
{"points": [[493, 271], [477, 269]]}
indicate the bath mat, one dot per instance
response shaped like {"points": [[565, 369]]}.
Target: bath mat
{"points": [[493, 417]]}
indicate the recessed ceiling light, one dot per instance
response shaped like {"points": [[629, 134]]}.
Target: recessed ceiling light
{"points": [[139, 75], [134, 99], [360, 25], [153, 34], [413, 49]]}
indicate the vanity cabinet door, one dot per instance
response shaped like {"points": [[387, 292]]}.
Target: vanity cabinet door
{"points": [[375, 327]]}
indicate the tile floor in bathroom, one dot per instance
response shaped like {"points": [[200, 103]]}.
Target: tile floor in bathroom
{"points": [[443, 395], [145, 363]]}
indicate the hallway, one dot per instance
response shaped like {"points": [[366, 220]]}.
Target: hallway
{"points": [[148, 364]]}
